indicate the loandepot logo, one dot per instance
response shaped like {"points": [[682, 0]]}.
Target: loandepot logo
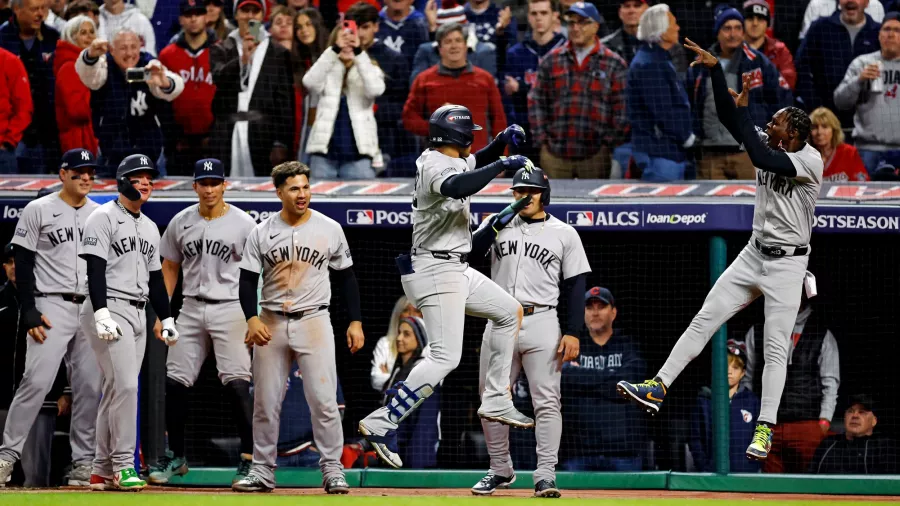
{"points": [[676, 219]]}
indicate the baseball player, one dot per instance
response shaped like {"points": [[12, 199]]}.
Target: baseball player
{"points": [[773, 264], [294, 251], [532, 253], [439, 282], [121, 247], [206, 241], [51, 286]]}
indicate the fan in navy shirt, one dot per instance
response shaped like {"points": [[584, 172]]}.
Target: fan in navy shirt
{"points": [[600, 426], [522, 63], [402, 28], [493, 24]]}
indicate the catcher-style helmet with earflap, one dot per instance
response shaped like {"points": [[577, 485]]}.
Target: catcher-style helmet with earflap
{"points": [[536, 179], [129, 165], [451, 124]]}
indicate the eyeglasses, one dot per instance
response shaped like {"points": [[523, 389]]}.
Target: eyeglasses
{"points": [[578, 21]]}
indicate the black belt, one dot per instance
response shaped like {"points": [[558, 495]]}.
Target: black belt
{"points": [[209, 301], [296, 315], [781, 251], [530, 310], [68, 297], [442, 255], [139, 304]]}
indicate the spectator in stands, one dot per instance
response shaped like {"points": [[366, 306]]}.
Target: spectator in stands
{"points": [[494, 25], [116, 15], [757, 19], [842, 161], [656, 103], [826, 52], [216, 20], [15, 109], [624, 41], [188, 56], [481, 54], [83, 8], [295, 432], [310, 39], [604, 426], [253, 110], [126, 114], [403, 28], [810, 389], [522, 64], [26, 36], [743, 410], [36, 454], [577, 105], [343, 140], [455, 80], [818, 9], [281, 26], [385, 353], [55, 15], [858, 450], [722, 156], [73, 98], [871, 87]]}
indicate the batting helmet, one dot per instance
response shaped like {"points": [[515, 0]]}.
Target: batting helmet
{"points": [[451, 124], [536, 179], [129, 165]]}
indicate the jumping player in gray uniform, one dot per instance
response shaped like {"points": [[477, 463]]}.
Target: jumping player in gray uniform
{"points": [[294, 250], [52, 284], [530, 257], [439, 282], [206, 241], [121, 247], [773, 264]]}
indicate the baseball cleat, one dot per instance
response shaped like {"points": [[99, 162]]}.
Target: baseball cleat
{"points": [[80, 476], [6, 469], [513, 418], [546, 488], [250, 483], [492, 482], [649, 394], [101, 483], [337, 485], [761, 443], [385, 446], [166, 467], [243, 469], [127, 480]]}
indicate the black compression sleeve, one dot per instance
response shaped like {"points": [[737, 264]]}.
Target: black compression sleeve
{"points": [[762, 156], [96, 271], [725, 107], [247, 293], [489, 153], [159, 297], [469, 183], [575, 320], [25, 277], [482, 240], [349, 287]]}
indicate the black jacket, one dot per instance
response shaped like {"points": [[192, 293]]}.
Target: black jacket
{"points": [[271, 110], [863, 455]]}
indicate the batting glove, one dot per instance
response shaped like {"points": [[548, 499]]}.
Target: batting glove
{"points": [[513, 135], [168, 331], [517, 162], [107, 328]]}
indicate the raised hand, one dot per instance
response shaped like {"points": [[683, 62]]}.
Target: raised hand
{"points": [[742, 99], [703, 57]]}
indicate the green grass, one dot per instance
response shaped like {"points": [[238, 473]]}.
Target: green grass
{"points": [[171, 499]]}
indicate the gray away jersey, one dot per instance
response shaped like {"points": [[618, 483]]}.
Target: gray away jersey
{"points": [[294, 261], [209, 251], [53, 230], [785, 208], [440, 223], [529, 260], [131, 250]]}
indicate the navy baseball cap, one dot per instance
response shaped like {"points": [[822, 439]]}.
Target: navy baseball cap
{"points": [[601, 294], [192, 6], [8, 252], [586, 10], [78, 158], [863, 400], [209, 168]]}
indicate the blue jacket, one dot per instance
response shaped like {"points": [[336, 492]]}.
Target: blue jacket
{"points": [[766, 98], [742, 421], [598, 418], [39, 65], [406, 36], [823, 58], [392, 139], [657, 105], [484, 57], [522, 64]]}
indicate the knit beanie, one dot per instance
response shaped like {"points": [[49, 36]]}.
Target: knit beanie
{"points": [[418, 328], [451, 11], [758, 8], [725, 13]]}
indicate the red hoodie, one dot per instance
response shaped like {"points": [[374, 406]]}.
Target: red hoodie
{"points": [[73, 102], [16, 106], [193, 108]]}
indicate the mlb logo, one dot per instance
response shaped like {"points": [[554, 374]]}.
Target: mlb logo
{"points": [[580, 218], [360, 217]]}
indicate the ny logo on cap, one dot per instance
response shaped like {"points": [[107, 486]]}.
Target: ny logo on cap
{"points": [[207, 166], [525, 175], [85, 155], [145, 161]]}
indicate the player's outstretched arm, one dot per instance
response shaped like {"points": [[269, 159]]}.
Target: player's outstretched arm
{"points": [[349, 288], [513, 135], [466, 184], [487, 233]]}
